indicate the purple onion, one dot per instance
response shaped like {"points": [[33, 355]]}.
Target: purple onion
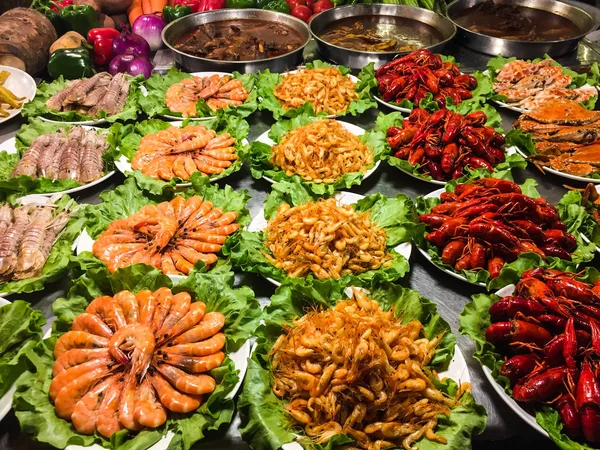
{"points": [[129, 42], [132, 64], [150, 26]]}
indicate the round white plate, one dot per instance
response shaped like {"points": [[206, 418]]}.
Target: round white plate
{"points": [[352, 77], [425, 253], [9, 146], [124, 165], [355, 130], [22, 85], [390, 105], [6, 399], [510, 402], [259, 223], [195, 74]]}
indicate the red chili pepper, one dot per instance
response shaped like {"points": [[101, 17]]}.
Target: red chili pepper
{"points": [[210, 5], [194, 4], [101, 39]]}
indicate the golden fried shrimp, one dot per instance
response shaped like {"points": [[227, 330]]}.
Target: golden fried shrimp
{"points": [[360, 390], [326, 89], [325, 239], [321, 152]]}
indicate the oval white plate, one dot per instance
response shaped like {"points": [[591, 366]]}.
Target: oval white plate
{"points": [[563, 174], [352, 77], [196, 74], [9, 146], [124, 165], [510, 402], [259, 223], [22, 85], [355, 130], [83, 122], [390, 105], [425, 253], [6, 399]]}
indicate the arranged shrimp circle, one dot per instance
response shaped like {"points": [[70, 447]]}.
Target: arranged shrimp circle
{"points": [[171, 236], [219, 90], [130, 359]]}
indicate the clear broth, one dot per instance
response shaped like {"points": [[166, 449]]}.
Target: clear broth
{"points": [[517, 23], [374, 33]]}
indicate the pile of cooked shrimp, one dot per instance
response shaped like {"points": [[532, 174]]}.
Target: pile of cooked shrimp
{"points": [[326, 239], [131, 359], [327, 89], [321, 152], [27, 234], [356, 370]]}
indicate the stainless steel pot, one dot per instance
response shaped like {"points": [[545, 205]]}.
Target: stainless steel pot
{"points": [[523, 49], [197, 64], [357, 59]]}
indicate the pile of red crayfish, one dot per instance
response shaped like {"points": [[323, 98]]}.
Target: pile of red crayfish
{"points": [[420, 72], [444, 143], [485, 223], [550, 331]]}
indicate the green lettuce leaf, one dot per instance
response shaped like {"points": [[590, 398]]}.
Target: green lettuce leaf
{"points": [[153, 104], [12, 187], [396, 216], [129, 198], [261, 154], [511, 272], [576, 217], [268, 426], [592, 78], [267, 82], [128, 139], [474, 321], [58, 260], [242, 311], [37, 106], [20, 330]]}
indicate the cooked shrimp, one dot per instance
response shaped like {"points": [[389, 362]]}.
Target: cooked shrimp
{"points": [[91, 323], [163, 305], [70, 395], [193, 364], [148, 410], [78, 339], [141, 339], [85, 414], [108, 420], [180, 305], [77, 356], [109, 310], [210, 324], [202, 348], [127, 404], [189, 384], [146, 306], [171, 398], [194, 315], [64, 378], [129, 305]]}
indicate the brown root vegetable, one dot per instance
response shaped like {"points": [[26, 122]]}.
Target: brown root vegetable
{"points": [[12, 61], [27, 35], [114, 6], [106, 21]]}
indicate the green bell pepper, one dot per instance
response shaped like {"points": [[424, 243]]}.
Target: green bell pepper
{"points": [[71, 63], [239, 4], [51, 15], [278, 5], [80, 18], [171, 13]]}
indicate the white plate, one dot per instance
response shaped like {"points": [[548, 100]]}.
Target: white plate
{"points": [[510, 402], [259, 223], [6, 399], [9, 146], [563, 174], [390, 105], [22, 85], [83, 122], [355, 130], [124, 165], [425, 253], [195, 74], [352, 77]]}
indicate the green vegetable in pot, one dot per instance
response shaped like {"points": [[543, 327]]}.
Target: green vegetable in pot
{"points": [[80, 18], [71, 63], [277, 5]]}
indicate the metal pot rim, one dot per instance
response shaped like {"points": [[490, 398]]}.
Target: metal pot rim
{"points": [[364, 52], [527, 43], [241, 63]]}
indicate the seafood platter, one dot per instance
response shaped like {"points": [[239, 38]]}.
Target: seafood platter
{"points": [[246, 158]]}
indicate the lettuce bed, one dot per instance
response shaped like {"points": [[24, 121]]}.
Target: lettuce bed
{"points": [[510, 272], [59, 258], [153, 104], [474, 320], [261, 154], [579, 79], [20, 331], [267, 82], [395, 215], [128, 137], [385, 121], [576, 217], [37, 106], [128, 199], [31, 402], [29, 132], [268, 426]]}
